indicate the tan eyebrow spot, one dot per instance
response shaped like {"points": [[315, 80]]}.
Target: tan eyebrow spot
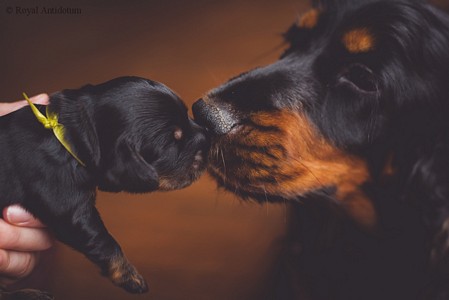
{"points": [[177, 133], [309, 19], [358, 40]]}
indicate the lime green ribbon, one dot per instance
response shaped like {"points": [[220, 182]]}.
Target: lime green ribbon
{"points": [[51, 122]]}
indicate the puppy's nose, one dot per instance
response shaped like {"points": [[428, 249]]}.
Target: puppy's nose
{"points": [[218, 119]]}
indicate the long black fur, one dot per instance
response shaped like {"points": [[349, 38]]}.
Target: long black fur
{"points": [[391, 101], [123, 130]]}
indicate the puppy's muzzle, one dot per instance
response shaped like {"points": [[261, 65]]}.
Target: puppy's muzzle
{"points": [[218, 119]]}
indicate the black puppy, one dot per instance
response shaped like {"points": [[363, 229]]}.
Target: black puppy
{"points": [[128, 134]]}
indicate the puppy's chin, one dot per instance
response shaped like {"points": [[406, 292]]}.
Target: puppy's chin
{"points": [[186, 174], [179, 182]]}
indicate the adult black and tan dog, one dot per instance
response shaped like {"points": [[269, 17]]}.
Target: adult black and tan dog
{"points": [[128, 134], [351, 124]]}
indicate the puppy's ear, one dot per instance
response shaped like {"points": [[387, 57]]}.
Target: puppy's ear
{"points": [[127, 170]]}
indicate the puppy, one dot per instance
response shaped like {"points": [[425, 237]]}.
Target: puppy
{"points": [[351, 127], [128, 134]]}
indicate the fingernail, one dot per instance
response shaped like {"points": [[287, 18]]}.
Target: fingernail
{"points": [[17, 215]]}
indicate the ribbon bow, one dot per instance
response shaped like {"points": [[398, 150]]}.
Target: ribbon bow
{"points": [[51, 122]]}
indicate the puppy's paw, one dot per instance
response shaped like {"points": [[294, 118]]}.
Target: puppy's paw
{"points": [[134, 283], [125, 275], [26, 294]]}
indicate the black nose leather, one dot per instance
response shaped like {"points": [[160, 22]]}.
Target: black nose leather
{"points": [[217, 119]]}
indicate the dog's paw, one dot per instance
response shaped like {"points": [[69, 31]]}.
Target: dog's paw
{"points": [[26, 294], [125, 275], [134, 283]]}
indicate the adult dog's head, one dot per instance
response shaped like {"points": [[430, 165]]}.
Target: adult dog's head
{"points": [[134, 134], [361, 93], [355, 109]]}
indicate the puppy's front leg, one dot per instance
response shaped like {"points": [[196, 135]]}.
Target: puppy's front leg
{"points": [[84, 230]]}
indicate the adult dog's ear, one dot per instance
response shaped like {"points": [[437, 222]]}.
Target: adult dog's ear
{"points": [[126, 170], [429, 190], [75, 110]]}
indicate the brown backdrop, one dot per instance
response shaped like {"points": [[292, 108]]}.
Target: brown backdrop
{"points": [[198, 243]]}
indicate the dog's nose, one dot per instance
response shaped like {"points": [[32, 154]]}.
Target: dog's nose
{"points": [[218, 120]]}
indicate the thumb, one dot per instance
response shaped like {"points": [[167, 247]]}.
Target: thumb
{"points": [[17, 215]]}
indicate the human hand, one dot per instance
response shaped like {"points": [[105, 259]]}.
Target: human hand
{"points": [[22, 237], [9, 107]]}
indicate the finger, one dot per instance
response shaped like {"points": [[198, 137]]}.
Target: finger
{"points": [[42, 99], [17, 215], [6, 108], [9, 107], [16, 265], [23, 238]]}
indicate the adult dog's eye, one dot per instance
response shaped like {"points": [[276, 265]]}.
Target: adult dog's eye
{"points": [[359, 77]]}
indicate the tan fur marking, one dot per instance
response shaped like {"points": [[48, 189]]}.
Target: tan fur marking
{"points": [[309, 19], [308, 162], [166, 184], [121, 271], [358, 40], [117, 269], [389, 169]]}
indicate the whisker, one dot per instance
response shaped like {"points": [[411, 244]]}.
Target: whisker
{"points": [[214, 76], [266, 198], [310, 171], [216, 200], [285, 210], [266, 54], [224, 163]]}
